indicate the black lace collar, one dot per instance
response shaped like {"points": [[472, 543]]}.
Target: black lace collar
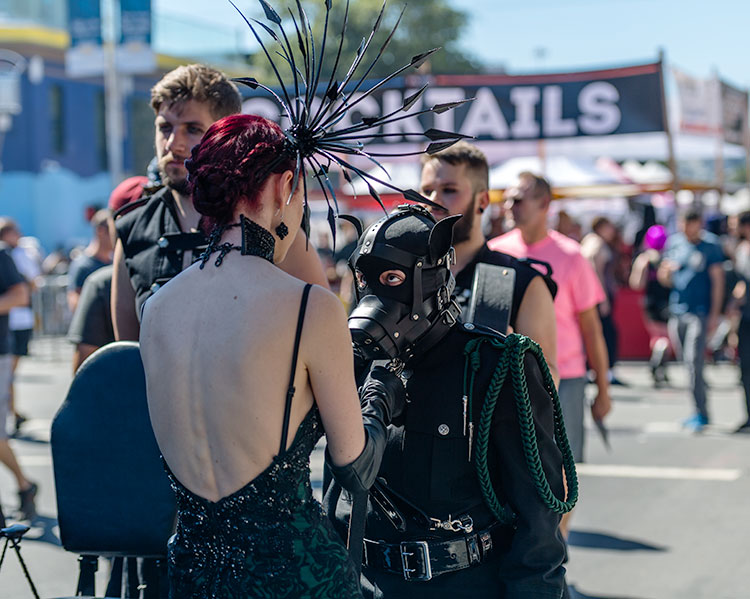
{"points": [[256, 241]]}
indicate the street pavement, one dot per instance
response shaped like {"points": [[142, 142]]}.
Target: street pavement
{"points": [[664, 515]]}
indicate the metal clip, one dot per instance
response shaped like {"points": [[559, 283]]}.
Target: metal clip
{"points": [[463, 524]]}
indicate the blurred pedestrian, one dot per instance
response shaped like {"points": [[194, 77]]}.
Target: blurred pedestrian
{"points": [[160, 237], [655, 299], [21, 318], [578, 294], [693, 269], [599, 248], [91, 326], [742, 266], [14, 292], [98, 253]]}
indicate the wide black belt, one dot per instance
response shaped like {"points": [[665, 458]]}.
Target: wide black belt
{"points": [[423, 560]]}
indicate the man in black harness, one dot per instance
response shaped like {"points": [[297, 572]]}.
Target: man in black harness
{"points": [[468, 496], [503, 290], [158, 236]]}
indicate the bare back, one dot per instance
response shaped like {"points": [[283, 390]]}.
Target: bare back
{"points": [[217, 348]]}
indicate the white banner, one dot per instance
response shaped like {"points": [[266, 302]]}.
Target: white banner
{"points": [[699, 101]]}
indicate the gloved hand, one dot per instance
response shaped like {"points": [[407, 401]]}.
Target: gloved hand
{"points": [[383, 398], [382, 385]]}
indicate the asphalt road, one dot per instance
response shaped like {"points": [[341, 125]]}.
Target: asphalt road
{"points": [[664, 515]]}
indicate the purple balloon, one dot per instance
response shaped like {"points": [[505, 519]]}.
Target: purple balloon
{"points": [[656, 237]]}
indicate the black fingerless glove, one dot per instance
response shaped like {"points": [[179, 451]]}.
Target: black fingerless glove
{"points": [[383, 398]]}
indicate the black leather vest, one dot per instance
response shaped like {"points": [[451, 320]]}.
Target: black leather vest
{"points": [[154, 244]]}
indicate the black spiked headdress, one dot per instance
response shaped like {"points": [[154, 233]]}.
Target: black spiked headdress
{"points": [[311, 136]]}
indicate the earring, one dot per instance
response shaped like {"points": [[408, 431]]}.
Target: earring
{"points": [[282, 230]]}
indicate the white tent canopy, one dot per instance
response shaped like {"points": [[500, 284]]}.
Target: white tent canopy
{"points": [[560, 171]]}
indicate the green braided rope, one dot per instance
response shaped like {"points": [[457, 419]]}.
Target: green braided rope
{"points": [[514, 347]]}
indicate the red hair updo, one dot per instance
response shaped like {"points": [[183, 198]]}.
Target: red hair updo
{"points": [[233, 161]]}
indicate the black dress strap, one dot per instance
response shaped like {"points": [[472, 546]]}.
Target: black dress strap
{"points": [[295, 354]]}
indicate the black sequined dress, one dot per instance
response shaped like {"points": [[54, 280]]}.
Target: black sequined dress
{"points": [[269, 539]]}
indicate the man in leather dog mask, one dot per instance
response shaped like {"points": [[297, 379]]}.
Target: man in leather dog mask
{"points": [[429, 528]]}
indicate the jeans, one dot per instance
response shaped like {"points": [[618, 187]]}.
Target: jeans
{"points": [[687, 333], [744, 353]]}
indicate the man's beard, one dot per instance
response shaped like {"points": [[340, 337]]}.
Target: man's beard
{"points": [[464, 225], [178, 185]]}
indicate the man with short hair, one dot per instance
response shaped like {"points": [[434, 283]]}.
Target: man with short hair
{"points": [[13, 292], [97, 254], [578, 294], [458, 179], [21, 318], [159, 237], [692, 268]]}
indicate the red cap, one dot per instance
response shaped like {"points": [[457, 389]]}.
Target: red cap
{"points": [[127, 191]]}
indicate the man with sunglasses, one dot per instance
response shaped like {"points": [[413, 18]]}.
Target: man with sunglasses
{"points": [[578, 294]]}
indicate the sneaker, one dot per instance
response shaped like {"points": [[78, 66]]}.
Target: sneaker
{"points": [[27, 509], [696, 423], [743, 429], [20, 421]]}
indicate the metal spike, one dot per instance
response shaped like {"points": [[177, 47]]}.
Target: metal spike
{"points": [[441, 108], [411, 100], [418, 60], [287, 106], [332, 225], [271, 14], [437, 146], [438, 135], [372, 65], [249, 81]]}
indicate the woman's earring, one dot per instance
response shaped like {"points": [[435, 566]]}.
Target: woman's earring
{"points": [[282, 230]]}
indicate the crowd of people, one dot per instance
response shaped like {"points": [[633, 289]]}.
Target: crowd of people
{"points": [[249, 358]]}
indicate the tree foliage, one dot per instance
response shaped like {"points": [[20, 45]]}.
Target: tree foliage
{"points": [[425, 24]]}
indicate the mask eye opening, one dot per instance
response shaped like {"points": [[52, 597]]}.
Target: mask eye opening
{"points": [[360, 279]]}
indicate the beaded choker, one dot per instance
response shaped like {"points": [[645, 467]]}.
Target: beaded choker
{"points": [[256, 241]]}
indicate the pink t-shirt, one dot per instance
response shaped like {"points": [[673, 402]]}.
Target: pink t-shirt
{"points": [[578, 289]]}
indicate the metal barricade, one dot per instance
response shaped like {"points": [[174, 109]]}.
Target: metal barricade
{"points": [[52, 316]]}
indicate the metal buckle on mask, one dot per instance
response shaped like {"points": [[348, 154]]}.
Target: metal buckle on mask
{"points": [[443, 297], [451, 313]]}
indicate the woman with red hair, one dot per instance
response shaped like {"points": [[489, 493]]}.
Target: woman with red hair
{"points": [[217, 343]]}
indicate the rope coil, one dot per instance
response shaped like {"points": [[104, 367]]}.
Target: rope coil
{"points": [[514, 349]]}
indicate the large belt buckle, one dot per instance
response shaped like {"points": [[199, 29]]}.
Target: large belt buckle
{"points": [[424, 549]]}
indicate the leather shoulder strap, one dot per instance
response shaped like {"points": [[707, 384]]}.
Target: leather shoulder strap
{"points": [[491, 297], [295, 355]]}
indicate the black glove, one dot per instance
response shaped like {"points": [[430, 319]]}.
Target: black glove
{"points": [[383, 398]]}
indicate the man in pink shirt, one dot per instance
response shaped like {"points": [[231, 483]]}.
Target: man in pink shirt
{"points": [[578, 294]]}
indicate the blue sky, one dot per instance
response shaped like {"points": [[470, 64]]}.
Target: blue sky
{"points": [[538, 35]]}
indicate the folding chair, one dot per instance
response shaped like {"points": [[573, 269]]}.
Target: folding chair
{"points": [[113, 496]]}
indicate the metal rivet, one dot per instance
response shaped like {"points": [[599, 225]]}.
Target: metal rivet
{"points": [[396, 335], [469, 327], [415, 317], [419, 264], [444, 429], [505, 272], [368, 341], [155, 287], [163, 242]]}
